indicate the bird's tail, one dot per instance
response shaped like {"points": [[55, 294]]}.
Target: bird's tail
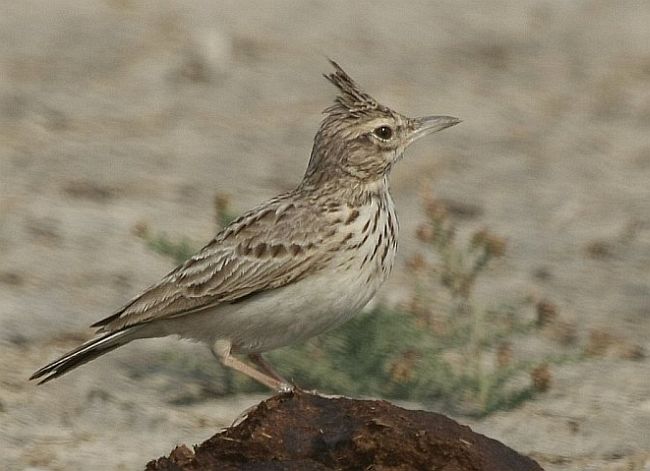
{"points": [[83, 354]]}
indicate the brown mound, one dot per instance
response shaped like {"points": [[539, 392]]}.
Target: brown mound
{"points": [[304, 432]]}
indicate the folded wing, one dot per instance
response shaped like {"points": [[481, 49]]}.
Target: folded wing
{"points": [[269, 247]]}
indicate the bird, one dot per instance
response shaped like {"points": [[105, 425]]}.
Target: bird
{"points": [[298, 265]]}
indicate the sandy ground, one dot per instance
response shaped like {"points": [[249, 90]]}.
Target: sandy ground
{"points": [[118, 112]]}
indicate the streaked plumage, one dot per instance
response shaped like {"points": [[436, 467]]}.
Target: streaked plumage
{"points": [[295, 266]]}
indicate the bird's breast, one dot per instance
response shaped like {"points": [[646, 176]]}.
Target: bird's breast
{"points": [[369, 244]]}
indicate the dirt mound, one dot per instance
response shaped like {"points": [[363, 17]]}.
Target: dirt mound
{"points": [[301, 431]]}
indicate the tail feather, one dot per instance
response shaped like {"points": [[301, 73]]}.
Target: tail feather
{"points": [[83, 354]]}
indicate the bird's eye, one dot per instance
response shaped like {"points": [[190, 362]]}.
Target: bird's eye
{"points": [[383, 132]]}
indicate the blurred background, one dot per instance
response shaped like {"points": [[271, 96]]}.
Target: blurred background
{"points": [[520, 302]]}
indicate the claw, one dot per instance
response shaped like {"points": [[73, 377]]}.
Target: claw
{"points": [[286, 388]]}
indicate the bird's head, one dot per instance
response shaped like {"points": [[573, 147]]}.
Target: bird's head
{"points": [[361, 138]]}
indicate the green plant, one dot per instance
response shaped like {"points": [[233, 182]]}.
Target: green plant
{"points": [[471, 332]]}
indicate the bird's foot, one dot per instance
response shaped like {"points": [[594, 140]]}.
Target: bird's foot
{"points": [[286, 388]]}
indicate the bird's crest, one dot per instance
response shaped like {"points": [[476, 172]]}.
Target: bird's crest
{"points": [[352, 100]]}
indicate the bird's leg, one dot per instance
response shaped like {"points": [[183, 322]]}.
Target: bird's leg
{"points": [[259, 361], [222, 350]]}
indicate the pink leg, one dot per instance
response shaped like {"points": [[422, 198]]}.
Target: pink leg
{"points": [[221, 349], [259, 361]]}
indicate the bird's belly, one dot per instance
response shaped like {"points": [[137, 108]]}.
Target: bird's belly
{"points": [[285, 315]]}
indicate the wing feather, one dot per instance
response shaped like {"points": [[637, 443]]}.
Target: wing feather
{"points": [[269, 247]]}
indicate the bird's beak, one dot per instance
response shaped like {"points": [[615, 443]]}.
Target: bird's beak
{"points": [[430, 124]]}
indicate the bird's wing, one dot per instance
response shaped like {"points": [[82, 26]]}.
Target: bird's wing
{"points": [[269, 247]]}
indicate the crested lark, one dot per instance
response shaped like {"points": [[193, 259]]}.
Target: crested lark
{"points": [[298, 265]]}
